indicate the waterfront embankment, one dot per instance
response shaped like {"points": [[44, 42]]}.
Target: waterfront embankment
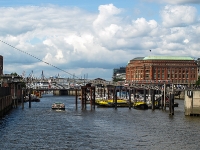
{"points": [[5, 100]]}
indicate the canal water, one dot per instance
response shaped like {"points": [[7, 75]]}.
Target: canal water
{"points": [[40, 127]]}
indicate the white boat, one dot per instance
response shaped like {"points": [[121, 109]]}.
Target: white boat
{"points": [[58, 105]]}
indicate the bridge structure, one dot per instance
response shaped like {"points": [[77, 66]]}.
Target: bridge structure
{"points": [[58, 83]]}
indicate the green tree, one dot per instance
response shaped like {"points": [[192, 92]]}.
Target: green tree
{"points": [[198, 81], [14, 74], [117, 79]]}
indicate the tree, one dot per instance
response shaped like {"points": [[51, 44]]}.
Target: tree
{"points": [[14, 74], [118, 79], [198, 81]]}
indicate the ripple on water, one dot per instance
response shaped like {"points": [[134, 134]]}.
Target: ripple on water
{"points": [[40, 127]]}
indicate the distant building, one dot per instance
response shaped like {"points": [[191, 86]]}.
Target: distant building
{"points": [[179, 70], [198, 65], [119, 73], [1, 65]]}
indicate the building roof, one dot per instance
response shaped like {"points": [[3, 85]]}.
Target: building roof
{"points": [[168, 58], [138, 58]]}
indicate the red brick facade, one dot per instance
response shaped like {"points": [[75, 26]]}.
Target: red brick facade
{"points": [[150, 70]]}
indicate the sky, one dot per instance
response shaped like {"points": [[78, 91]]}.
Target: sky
{"points": [[88, 39]]}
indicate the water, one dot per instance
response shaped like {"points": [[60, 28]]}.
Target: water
{"points": [[40, 127]]}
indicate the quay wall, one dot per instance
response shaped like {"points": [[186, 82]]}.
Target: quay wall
{"points": [[5, 100], [192, 102]]}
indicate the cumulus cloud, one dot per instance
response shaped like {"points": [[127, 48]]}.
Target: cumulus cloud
{"points": [[81, 42], [174, 16], [176, 1]]}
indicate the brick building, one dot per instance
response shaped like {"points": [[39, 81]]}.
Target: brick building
{"points": [[155, 69]]}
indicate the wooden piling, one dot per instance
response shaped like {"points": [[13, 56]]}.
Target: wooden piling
{"points": [[94, 95], [162, 100], [76, 99], [164, 93], [170, 104], [171, 101], [29, 99], [145, 96], [172, 113], [126, 90], [129, 98], [91, 98], [115, 97], [22, 98], [153, 99]]}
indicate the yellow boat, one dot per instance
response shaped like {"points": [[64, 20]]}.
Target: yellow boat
{"points": [[111, 103], [140, 105]]}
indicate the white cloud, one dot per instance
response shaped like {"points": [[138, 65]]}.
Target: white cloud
{"points": [[176, 16], [176, 1], [186, 41], [87, 43]]}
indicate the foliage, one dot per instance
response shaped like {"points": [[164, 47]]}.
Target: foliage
{"points": [[117, 79], [23, 84], [14, 74], [198, 81]]}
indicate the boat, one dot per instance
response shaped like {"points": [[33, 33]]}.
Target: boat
{"points": [[58, 105], [111, 103], [140, 105]]}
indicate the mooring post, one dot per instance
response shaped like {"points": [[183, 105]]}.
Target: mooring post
{"points": [[101, 91], [162, 100], [170, 104], [76, 101], [115, 97], [164, 96], [104, 91], [29, 96], [108, 90], [145, 96], [113, 89], [129, 97], [120, 91], [83, 97], [82, 93], [153, 99], [86, 97], [22, 98], [126, 90], [172, 101], [93, 97]]}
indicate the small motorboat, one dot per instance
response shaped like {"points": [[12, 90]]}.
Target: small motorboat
{"points": [[58, 105], [140, 105]]}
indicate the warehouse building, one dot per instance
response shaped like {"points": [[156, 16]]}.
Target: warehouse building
{"points": [[155, 69]]}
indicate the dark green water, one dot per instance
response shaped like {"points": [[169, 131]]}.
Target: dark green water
{"points": [[40, 127]]}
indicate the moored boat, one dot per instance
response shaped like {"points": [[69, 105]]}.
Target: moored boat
{"points": [[111, 103], [140, 105], [58, 105]]}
